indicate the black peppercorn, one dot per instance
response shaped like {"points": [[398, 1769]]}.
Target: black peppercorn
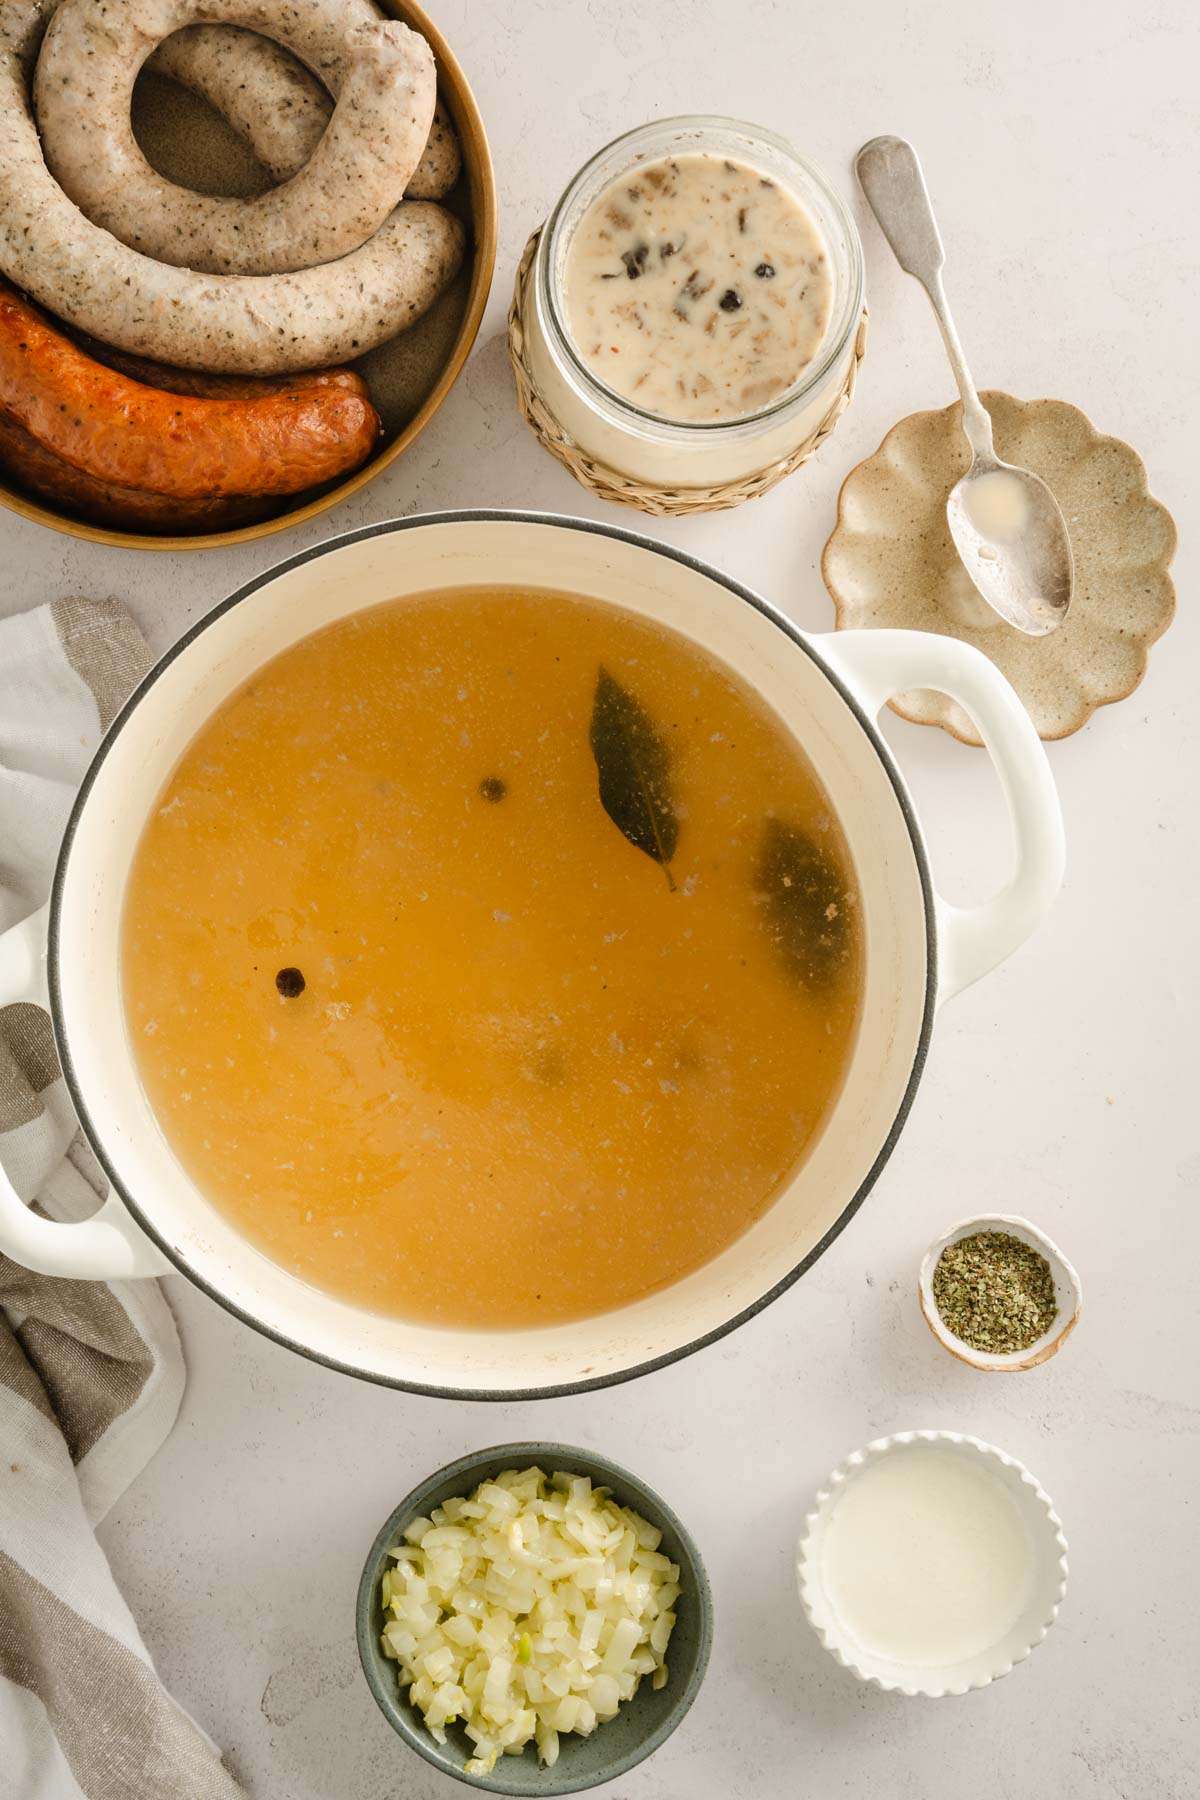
{"points": [[730, 300], [765, 271], [291, 983], [493, 789]]}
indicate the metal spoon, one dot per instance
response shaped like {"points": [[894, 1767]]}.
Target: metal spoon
{"points": [[1006, 524]]}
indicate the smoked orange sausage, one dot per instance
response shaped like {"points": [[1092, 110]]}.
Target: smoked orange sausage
{"points": [[83, 496], [186, 447]]}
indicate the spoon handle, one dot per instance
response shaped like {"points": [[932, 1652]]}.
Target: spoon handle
{"points": [[890, 175]]}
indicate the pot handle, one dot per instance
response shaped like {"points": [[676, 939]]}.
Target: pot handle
{"points": [[877, 664], [106, 1247]]}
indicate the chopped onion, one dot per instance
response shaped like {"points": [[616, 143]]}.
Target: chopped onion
{"points": [[531, 1609]]}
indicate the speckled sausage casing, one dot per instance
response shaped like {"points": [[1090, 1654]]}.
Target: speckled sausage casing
{"points": [[83, 93], [272, 101], [250, 325]]}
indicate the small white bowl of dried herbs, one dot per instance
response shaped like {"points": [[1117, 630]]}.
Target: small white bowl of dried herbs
{"points": [[998, 1293]]}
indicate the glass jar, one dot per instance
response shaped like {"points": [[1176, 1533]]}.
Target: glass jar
{"points": [[642, 446]]}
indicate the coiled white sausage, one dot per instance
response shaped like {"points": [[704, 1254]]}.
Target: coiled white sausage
{"points": [[272, 101], [250, 325], [83, 92]]}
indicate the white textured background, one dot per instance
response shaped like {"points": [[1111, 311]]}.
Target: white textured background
{"points": [[1059, 141]]}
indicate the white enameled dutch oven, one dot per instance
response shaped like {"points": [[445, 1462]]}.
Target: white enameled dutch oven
{"points": [[827, 690]]}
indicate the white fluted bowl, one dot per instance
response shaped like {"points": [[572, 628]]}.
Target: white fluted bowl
{"points": [[1048, 1548]]}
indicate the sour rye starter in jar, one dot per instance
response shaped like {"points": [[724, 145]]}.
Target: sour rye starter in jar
{"points": [[697, 288], [690, 319]]}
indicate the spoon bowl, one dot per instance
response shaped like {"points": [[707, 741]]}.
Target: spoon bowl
{"points": [[1006, 524], [1011, 535]]}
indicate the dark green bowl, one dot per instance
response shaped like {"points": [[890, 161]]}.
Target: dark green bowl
{"points": [[641, 1725]]}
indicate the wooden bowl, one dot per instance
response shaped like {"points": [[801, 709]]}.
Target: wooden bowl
{"points": [[411, 375]]}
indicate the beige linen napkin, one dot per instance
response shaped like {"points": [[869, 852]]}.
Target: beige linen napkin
{"points": [[91, 1374]]}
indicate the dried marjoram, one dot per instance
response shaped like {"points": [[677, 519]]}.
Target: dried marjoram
{"points": [[994, 1292]]}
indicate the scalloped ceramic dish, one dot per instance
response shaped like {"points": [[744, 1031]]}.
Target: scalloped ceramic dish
{"points": [[891, 562], [1068, 1291], [1044, 1593]]}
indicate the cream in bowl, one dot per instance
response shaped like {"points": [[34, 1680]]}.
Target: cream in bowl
{"points": [[931, 1563], [691, 315]]}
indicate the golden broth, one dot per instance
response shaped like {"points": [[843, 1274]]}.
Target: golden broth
{"points": [[579, 945]]}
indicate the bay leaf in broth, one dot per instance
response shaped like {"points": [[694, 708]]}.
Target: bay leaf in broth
{"points": [[804, 893], [633, 762]]}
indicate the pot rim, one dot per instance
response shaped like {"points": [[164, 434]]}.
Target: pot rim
{"points": [[561, 521]]}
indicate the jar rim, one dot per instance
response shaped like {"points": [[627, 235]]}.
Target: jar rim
{"points": [[811, 377]]}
